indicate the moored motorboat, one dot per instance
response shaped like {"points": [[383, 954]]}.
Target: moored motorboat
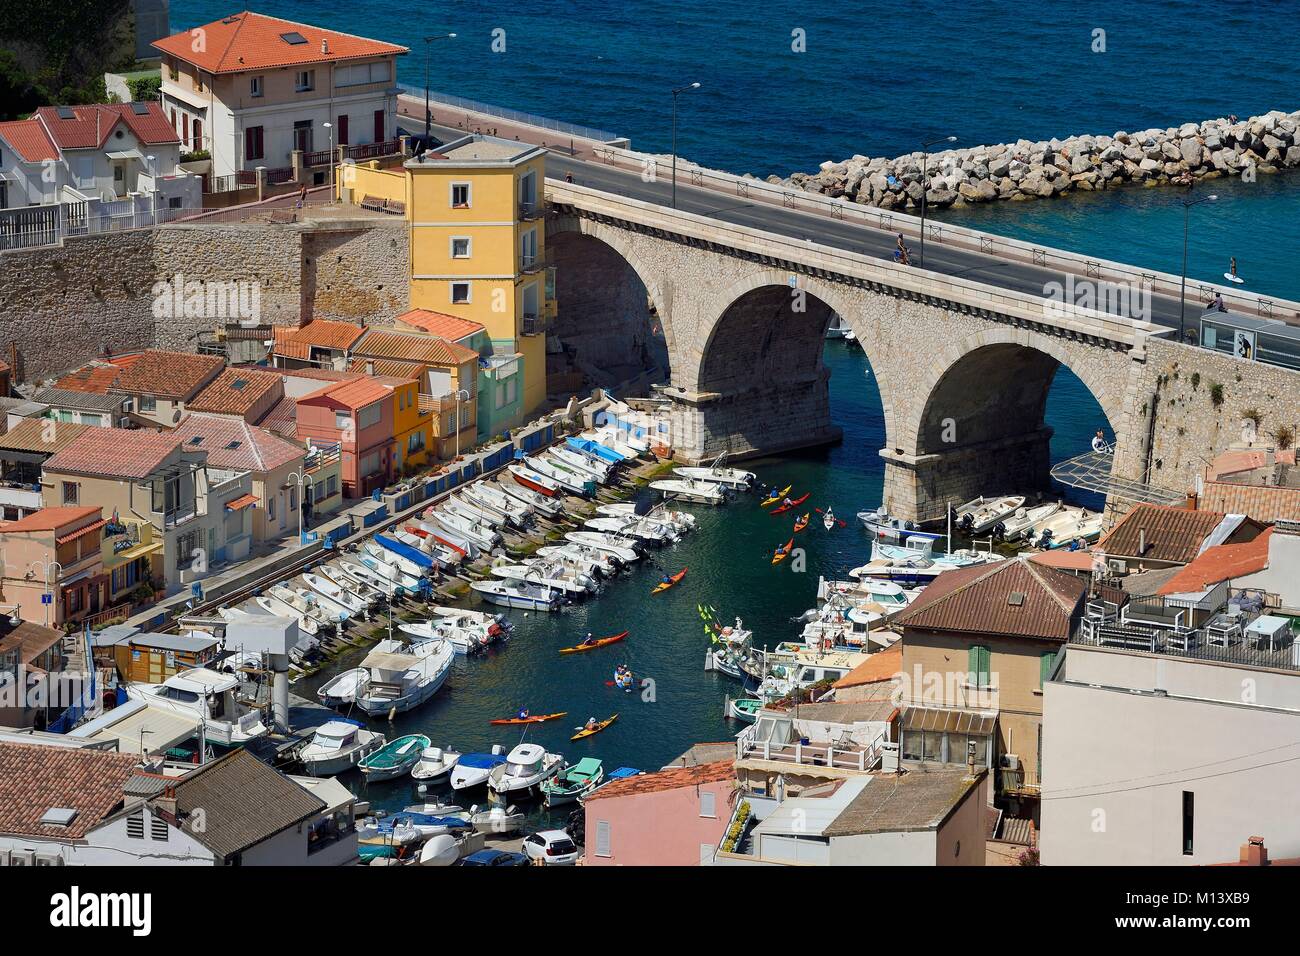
{"points": [[526, 766], [622, 548], [208, 698], [565, 479], [727, 477], [1025, 521], [594, 468], [338, 745], [518, 594], [401, 677], [883, 526], [472, 769], [542, 504], [342, 689], [394, 758], [689, 489], [534, 480], [743, 708], [331, 595], [573, 783], [980, 514], [434, 764], [498, 820]]}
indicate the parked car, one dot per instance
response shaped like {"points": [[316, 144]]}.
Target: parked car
{"points": [[552, 848], [495, 858]]}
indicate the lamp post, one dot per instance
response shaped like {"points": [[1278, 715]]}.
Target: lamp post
{"points": [[680, 89], [299, 478], [428, 56], [330, 126], [456, 423], [925, 173], [1182, 291], [46, 567]]}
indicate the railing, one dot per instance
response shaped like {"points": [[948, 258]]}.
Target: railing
{"points": [[531, 210], [532, 263], [89, 695], [535, 324], [373, 150], [513, 116], [1019, 780], [282, 174], [318, 157], [1223, 645], [118, 612], [37, 226], [857, 757]]}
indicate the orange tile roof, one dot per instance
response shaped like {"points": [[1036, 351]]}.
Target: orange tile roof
{"points": [[1065, 559], [412, 347], [34, 779], [41, 436], [114, 453], [879, 667], [323, 333], [450, 327], [98, 377], [235, 391], [252, 41], [672, 779], [354, 393], [171, 375], [1169, 533], [29, 139], [286, 345], [49, 519], [388, 368], [91, 125], [1220, 563], [1263, 504]]}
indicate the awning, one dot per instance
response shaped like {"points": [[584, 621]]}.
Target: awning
{"points": [[148, 729], [242, 502], [80, 532], [951, 721], [126, 154]]}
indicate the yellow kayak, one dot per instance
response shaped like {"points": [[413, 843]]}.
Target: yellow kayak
{"points": [[584, 732], [776, 497]]}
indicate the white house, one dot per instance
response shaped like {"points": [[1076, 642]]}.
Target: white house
{"points": [[252, 89]]}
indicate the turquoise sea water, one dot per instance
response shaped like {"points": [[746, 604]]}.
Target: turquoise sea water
{"points": [[873, 80]]}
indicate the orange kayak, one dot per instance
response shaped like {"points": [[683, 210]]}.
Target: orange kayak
{"points": [[600, 642], [530, 720], [665, 585], [800, 524], [783, 552]]}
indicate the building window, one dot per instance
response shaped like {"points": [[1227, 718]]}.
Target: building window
{"points": [[370, 464], [1189, 813], [253, 145], [342, 421], [173, 74], [416, 443], [370, 415], [304, 81], [198, 134], [602, 838], [460, 293], [255, 86], [270, 507], [70, 493], [1046, 664], [707, 807], [302, 135], [460, 247], [978, 666], [148, 403], [343, 129], [460, 196]]}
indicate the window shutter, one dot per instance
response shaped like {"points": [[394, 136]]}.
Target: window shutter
{"points": [[986, 668], [602, 838], [1047, 662], [973, 665], [707, 808]]}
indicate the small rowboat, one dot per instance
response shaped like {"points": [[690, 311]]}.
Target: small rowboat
{"points": [[793, 504], [587, 732], [800, 523], [673, 579], [540, 718], [743, 708], [783, 552], [775, 496], [600, 642]]}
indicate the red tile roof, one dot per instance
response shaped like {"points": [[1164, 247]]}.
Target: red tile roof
{"points": [[235, 391], [1064, 559], [114, 453], [1163, 533], [450, 327], [49, 519], [98, 377], [1220, 563], [354, 393], [254, 449], [388, 368], [322, 333], [91, 125], [36, 779], [1016, 598], [251, 41], [412, 347], [880, 667], [29, 139], [672, 779], [169, 375]]}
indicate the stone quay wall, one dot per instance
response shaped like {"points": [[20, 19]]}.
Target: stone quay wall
{"points": [[1032, 170]]}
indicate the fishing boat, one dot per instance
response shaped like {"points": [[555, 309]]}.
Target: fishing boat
{"points": [[337, 745], [394, 758], [783, 552], [672, 580], [594, 728], [743, 708], [383, 552], [401, 677], [369, 593], [282, 597], [573, 783], [568, 480], [774, 496], [727, 477], [550, 507], [595, 643], [434, 764], [624, 549], [1025, 521], [482, 535], [209, 699], [534, 480], [725, 660], [532, 719], [883, 526], [794, 503], [517, 594], [446, 537], [801, 523], [406, 583], [688, 489], [490, 498], [472, 770], [524, 770], [273, 606], [981, 514], [473, 513]]}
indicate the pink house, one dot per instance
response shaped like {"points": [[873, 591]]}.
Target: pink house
{"points": [[358, 414], [675, 817]]}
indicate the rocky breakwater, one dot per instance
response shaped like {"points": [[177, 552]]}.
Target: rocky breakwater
{"points": [[1033, 170]]}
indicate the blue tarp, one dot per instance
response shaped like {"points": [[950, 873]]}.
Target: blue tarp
{"points": [[414, 555], [594, 448]]}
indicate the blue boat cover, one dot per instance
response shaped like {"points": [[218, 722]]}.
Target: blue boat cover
{"points": [[594, 448], [414, 555], [622, 772], [422, 819], [482, 761]]}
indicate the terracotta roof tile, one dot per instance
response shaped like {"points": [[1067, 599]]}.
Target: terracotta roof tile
{"points": [[450, 327], [36, 779], [1262, 504], [671, 779], [354, 393], [29, 139], [41, 435], [114, 453], [251, 41], [254, 449], [171, 375], [880, 667], [412, 347], [1167, 533], [1220, 563], [91, 125], [97, 377], [323, 333], [1014, 597], [1064, 558], [235, 391], [49, 519], [282, 419]]}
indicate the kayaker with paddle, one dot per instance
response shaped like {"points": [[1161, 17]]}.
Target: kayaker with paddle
{"points": [[590, 640], [523, 713], [591, 724]]}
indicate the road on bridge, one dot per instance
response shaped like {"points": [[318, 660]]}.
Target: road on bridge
{"points": [[859, 237]]}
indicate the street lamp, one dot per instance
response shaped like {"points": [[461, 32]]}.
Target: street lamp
{"points": [[428, 55], [1182, 292], [456, 424], [330, 126], [680, 89], [46, 567], [311, 482], [925, 158]]}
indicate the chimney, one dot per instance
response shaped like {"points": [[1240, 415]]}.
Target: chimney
{"points": [[1254, 853], [370, 367], [1142, 542], [324, 45], [1191, 501]]}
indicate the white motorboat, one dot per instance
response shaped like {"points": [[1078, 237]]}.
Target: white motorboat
{"points": [[484, 536], [466, 548], [584, 464], [527, 497], [622, 548], [682, 520], [390, 572], [282, 596], [727, 477], [342, 689], [981, 514], [208, 697], [487, 498], [307, 624], [518, 594], [434, 764], [1025, 521], [400, 678], [883, 526], [1068, 525], [472, 512], [498, 820], [338, 745], [564, 478], [472, 770], [369, 594], [332, 596], [587, 560], [547, 575], [533, 480], [689, 489], [496, 624], [411, 569], [467, 637], [634, 528], [525, 768], [362, 576]]}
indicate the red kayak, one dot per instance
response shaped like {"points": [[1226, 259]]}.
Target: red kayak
{"points": [[793, 504]]}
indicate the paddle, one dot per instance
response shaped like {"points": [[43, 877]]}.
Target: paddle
{"points": [[839, 521]]}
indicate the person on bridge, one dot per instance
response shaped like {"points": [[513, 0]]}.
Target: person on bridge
{"points": [[901, 253], [568, 177]]}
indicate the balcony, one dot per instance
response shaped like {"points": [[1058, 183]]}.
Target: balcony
{"points": [[1018, 782], [529, 211], [773, 740], [534, 324], [123, 542], [531, 264]]}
